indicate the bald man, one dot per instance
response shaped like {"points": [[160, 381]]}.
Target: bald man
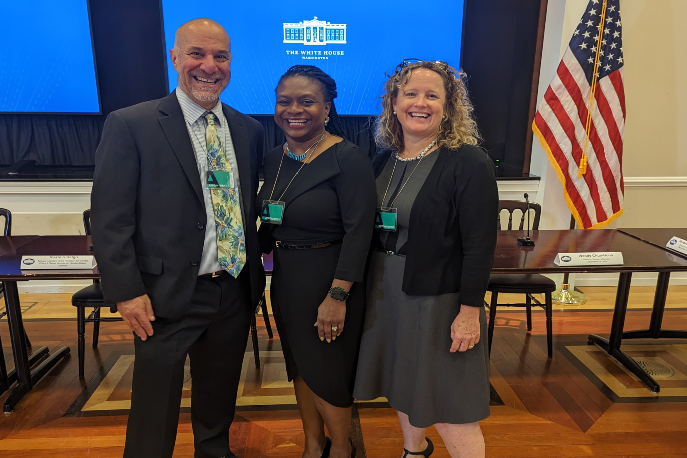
{"points": [[174, 232]]}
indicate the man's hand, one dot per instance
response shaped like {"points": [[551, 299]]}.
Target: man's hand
{"points": [[137, 314], [465, 329]]}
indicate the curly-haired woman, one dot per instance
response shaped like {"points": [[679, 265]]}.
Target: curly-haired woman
{"points": [[433, 249]]}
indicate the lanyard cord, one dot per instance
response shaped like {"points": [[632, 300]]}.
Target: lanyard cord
{"points": [[281, 161], [404, 184]]}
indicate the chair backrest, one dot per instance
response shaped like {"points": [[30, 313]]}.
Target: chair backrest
{"points": [[513, 205], [8, 220], [87, 221]]}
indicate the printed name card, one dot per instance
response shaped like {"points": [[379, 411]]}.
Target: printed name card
{"points": [[677, 244], [58, 262], [610, 258]]}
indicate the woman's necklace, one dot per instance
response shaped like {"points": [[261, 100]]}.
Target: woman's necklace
{"points": [[419, 156], [300, 157], [281, 161]]}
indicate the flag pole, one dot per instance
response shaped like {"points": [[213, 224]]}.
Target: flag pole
{"points": [[592, 92], [564, 295]]}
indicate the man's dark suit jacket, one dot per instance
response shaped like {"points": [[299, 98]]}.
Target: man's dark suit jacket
{"points": [[147, 208]]}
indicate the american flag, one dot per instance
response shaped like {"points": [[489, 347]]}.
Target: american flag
{"points": [[586, 151]]}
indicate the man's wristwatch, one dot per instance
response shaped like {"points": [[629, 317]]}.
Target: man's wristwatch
{"points": [[338, 294]]}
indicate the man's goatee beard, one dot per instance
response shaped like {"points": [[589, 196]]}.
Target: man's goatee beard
{"points": [[205, 96]]}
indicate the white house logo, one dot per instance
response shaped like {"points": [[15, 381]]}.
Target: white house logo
{"points": [[28, 261], [565, 258], [672, 241], [314, 32]]}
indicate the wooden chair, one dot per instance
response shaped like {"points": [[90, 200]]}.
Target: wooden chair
{"points": [[4, 382], [527, 284], [268, 264], [89, 297]]}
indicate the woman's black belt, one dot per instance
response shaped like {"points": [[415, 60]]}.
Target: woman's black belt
{"points": [[303, 246]]}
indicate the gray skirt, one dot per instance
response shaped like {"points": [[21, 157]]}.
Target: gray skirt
{"points": [[404, 352]]}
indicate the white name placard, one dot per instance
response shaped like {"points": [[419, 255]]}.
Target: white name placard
{"points": [[57, 262], [610, 258], [677, 244]]}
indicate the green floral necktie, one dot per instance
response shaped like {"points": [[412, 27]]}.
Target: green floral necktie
{"points": [[231, 240]]}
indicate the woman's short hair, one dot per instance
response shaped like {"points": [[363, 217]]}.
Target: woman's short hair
{"points": [[459, 126], [328, 90]]}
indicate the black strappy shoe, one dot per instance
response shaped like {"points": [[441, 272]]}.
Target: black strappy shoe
{"points": [[426, 452], [327, 448]]}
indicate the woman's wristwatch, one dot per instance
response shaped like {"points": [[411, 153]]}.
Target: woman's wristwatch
{"points": [[338, 294]]}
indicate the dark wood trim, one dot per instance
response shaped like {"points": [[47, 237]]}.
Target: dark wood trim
{"points": [[535, 85]]}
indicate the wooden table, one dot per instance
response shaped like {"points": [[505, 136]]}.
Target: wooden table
{"points": [[658, 238], [12, 248], [638, 256]]}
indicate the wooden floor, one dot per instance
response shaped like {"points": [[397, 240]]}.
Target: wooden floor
{"points": [[579, 404]]}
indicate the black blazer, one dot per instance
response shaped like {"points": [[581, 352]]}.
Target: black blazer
{"points": [[147, 208], [452, 229], [332, 198]]}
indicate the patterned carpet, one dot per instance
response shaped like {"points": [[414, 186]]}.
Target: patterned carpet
{"points": [[267, 388], [667, 364]]}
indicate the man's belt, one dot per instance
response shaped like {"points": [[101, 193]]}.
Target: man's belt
{"points": [[212, 274], [301, 246]]}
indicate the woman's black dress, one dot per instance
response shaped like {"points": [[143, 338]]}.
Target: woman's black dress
{"points": [[332, 198]]}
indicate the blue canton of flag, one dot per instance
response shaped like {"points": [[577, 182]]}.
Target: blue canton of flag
{"points": [[586, 37]]}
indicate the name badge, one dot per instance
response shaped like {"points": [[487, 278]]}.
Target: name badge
{"points": [[272, 211], [219, 179], [385, 219], [677, 244], [610, 258]]}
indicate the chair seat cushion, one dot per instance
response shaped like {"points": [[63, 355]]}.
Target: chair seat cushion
{"points": [[90, 296], [521, 283]]}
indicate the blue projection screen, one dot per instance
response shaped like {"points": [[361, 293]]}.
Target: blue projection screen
{"points": [[49, 66], [355, 42]]}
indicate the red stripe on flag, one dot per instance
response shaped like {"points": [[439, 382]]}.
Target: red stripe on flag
{"points": [[617, 79], [576, 96], [562, 162], [569, 125], [607, 114], [614, 135]]}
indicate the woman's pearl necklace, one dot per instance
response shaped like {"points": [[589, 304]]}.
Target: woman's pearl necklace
{"points": [[419, 156]]}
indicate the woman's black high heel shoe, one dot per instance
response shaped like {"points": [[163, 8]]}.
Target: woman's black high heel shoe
{"points": [[426, 452], [327, 448]]}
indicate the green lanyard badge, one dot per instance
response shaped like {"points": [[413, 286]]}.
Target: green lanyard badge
{"points": [[385, 219], [219, 179], [272, 211]]}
